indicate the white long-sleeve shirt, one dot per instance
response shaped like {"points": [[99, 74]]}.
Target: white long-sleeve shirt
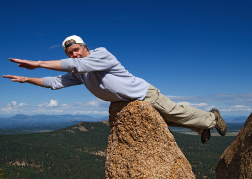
{"points": [[102, 74]]}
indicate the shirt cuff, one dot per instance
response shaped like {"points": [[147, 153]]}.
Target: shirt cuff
{"points": [[46, 82], [65, 65]]}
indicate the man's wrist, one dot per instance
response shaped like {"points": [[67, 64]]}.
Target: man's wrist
{"points": [[26, 79], [39, 64]]}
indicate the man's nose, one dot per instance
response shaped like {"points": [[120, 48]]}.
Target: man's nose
{"points": [[75, 54]]}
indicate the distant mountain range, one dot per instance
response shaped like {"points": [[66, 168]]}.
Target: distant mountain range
{"points": [[235, 119], [24, 120], [21, 119]]}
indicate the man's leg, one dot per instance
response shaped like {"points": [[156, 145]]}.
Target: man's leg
{"points": [[189, 117], [181, 116]]}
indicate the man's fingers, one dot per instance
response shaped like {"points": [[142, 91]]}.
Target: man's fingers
{"points": [[14, 60], [9, 76], [15, 78], [19, 61], [28, 64], [6, 76]]}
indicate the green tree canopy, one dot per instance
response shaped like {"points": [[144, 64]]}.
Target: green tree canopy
{"points": [[1, 173]]}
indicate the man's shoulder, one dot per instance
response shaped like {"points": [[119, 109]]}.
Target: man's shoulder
{"points": [[99, 49]]}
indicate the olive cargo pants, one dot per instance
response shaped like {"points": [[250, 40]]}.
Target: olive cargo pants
{"points": [[179, 116]]}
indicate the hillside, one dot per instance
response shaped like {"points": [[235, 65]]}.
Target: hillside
{"points": [[203, 157], [79, 152], [73, 152]]}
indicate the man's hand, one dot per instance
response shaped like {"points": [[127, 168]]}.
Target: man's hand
{"points": [[14, 78], [28, 64], [21, 79], [31, 65]]}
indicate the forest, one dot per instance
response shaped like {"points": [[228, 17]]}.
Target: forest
{"points": [[79, 151]]}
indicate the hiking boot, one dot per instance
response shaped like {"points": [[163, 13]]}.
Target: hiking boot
{"points": [[221, 125], [205, 136]]}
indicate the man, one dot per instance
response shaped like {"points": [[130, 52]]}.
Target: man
{"points": [[107, 79]]}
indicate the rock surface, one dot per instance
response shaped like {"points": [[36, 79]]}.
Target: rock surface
{"points": [[140, 144], [236, 161]]}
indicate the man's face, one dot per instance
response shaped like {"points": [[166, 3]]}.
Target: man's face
{"points": [[76, 51]]}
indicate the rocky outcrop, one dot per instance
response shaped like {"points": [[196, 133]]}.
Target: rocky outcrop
{"points": [[236, 161], [140, 144]]}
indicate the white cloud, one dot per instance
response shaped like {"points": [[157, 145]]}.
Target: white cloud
{"points": [[239, 97], [193, 105], [95, 107], [23, 105], [77, 104], [93, 103], [14, 107], [236, 110], [183, 103], [53, 103], [184, 98], [12, 104], [228, 104], [42, 105], [66, 105], [240, 107], [54, 46], [97, 103]]}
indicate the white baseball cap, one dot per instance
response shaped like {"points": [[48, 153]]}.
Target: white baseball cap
{"points": [[76, 38]]}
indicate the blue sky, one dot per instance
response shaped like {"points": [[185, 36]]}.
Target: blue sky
{"points": [[196, 52]]}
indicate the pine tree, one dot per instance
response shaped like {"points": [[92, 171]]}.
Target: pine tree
{"points": [[1, 173]]}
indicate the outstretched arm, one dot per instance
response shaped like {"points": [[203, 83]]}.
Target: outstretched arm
{"points": [[28, 64], [21, 79]]}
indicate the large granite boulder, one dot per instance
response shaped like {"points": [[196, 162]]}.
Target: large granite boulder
{"points": [[140, 144], [236, 161]]}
